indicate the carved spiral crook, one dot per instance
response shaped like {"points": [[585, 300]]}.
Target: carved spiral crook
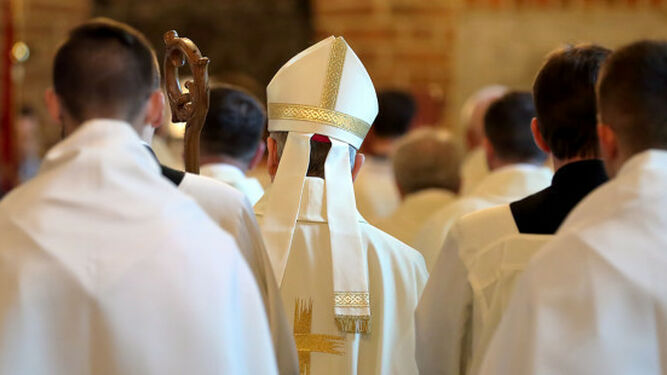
{"points": [[190, 107]]}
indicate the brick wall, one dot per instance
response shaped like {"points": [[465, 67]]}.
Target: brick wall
{"points": [[444, 50], [403, 43]]}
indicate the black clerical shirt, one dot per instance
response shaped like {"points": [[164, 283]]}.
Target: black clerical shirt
{"points": [[173, 175], [543, 212]]}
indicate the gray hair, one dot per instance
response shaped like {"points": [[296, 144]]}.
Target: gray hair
{"points": [[427, 158], [318, 153]]}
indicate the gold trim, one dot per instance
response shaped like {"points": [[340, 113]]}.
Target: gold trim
{"points": [[351, 299], [354, 323], [334, 73], [302, 112]]}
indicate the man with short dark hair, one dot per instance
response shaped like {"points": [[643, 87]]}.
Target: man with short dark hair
{"points": [[231, 140], [486, 249], [517, 170], [593, 300], [374, 188], [105, 266]]}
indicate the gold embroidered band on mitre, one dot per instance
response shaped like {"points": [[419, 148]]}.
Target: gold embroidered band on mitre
{"points": [[302, 112]]}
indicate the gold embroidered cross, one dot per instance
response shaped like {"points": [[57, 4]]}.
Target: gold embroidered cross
{"points": [[307, 342]]}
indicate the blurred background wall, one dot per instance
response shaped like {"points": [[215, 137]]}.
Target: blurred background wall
{"points": [[441, 50]]}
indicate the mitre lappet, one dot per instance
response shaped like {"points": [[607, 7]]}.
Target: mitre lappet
{"points": [[324, 91]]}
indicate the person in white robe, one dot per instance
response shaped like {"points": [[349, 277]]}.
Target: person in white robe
{"points": [[105, 267], [353, 289], [516, 164], [426, 168], [231, 143], [375, 190], [474, 167], [486, 250], [230, 208], [593, 300]]}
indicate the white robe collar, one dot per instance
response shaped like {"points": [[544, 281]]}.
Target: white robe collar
{"points": [[511, 180], [313, 206]]}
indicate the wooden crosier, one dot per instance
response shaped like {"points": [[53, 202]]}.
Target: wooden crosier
{"points": [[189, 107]]}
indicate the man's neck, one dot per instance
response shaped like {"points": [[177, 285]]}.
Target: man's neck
{"points": [[497, 163], [559, 163], [222, 159]]}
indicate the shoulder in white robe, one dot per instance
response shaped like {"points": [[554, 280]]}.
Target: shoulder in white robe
{"points": [[375, 189], [594, 301], [234, 177], [232, 211], [106, 268], [502, 186], [473, 170], [397, 275], [414, 210]]}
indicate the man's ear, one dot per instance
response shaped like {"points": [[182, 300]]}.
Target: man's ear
{"points": [[53, 106], [358, 163], [155, 109], [608, 147], [272, 159], [489, 152], [537, 136], [259, 154]]}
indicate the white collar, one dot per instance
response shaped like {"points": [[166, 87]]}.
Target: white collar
{"points": [[96, 135], [313, 207]]}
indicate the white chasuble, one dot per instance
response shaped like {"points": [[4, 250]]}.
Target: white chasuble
{"points": [[593, 301], [404, 224], [396, 275], [106, 268], [501, 186]]}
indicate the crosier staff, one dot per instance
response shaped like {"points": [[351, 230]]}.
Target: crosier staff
{"points": [[190, 107]]}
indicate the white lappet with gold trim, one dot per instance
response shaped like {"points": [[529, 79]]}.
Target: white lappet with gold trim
{"points": [[323, 90]]}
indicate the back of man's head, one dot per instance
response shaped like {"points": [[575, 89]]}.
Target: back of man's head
{"points": [[632, 96], [396, 109], [105, 69], [426, 159], [564, 92], [234, 124], [507, 128]]}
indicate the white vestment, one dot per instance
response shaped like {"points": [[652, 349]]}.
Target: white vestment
{"points": [[235, 177], [503, 185], [230, 209], [405, 223], [375, 189], [593, 301], [473, 170], [476, 269], [396, 273], [106, 268]]}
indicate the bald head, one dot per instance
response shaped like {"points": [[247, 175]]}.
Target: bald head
{"points": [[426, 159], [473, 111]]}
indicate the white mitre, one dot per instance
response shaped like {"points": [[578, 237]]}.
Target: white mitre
{"points": [[323, 90]]}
